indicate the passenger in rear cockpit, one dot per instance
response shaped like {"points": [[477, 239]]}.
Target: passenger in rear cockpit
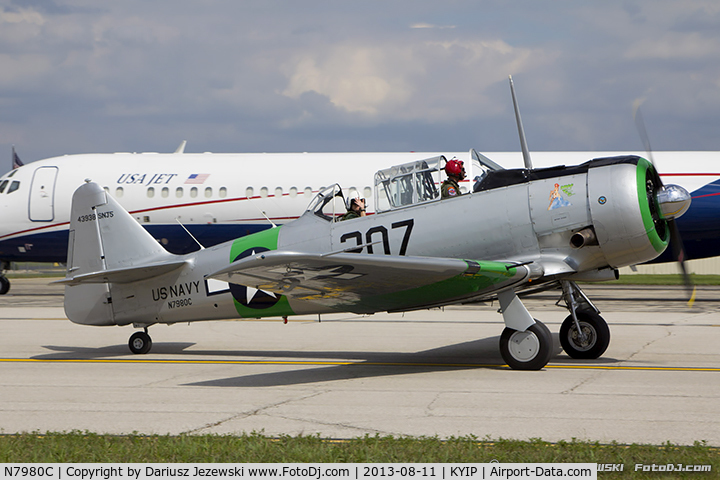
{"points": [[455, 170]]}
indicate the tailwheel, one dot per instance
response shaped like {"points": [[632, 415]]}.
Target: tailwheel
{"points": [[140, 342], [528, 350], [591, 341]]}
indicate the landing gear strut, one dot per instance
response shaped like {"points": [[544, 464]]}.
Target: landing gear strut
{"points": [[140, 342], [584, 334], [4, 282]]}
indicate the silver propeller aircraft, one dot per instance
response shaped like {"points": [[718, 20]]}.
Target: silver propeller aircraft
{"points": [[528, 229]]}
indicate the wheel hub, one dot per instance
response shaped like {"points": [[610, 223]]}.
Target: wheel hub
{"points": [[585, 341], [524, 346]]}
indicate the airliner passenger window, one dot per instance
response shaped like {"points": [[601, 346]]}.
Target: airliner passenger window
{"points": [[278, 192], [3, 185], [119, 192], [293, 192], [264, 192], [193, 192], [249, 192], [208, 192], [150, 192], [179, 192], [165, 192], [222, 193]]}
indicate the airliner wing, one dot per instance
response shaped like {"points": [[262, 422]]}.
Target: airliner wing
{"points": [[363, 283]]}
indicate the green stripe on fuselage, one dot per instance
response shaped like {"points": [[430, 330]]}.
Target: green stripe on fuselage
{"points": [[267, 239]]}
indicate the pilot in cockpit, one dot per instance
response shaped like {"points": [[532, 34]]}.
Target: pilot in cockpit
{"points": [[355, 208]]}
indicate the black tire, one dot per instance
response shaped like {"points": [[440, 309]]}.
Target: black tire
{"points": [[140, 342], [528, 350], [597, 335], [4, 285]]}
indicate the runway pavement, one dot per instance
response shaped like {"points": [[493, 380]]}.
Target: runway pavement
{"points": [[422, 373]]}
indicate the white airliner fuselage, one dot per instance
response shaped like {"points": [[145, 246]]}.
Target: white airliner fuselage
{"points": [[219, 197]]}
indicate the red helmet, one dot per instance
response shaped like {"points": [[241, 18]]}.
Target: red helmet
{"points": [[455, 167]]}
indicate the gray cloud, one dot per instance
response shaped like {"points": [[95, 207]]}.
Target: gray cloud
{"points": [[81, 76]]}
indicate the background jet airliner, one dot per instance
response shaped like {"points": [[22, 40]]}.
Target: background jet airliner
{"points": [[219, 197]]}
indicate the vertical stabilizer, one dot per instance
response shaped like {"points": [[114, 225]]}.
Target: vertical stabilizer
{"points": [[106, 237], [103, 238]]}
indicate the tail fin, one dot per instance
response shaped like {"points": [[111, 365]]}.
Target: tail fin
{"points": [[106, 245], [106, 237]]}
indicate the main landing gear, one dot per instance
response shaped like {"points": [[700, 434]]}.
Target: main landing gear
{"points": [[4, 282], [528, 350], [584, 334], [525, 344], [140, 342]]}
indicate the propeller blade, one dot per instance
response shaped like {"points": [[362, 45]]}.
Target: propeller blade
{"points": [[679, 255], [640, 124], [673, 202]]}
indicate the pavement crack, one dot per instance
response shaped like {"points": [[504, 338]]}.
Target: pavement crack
{"points": [[668, 333], [251, 413], [584, 381]]}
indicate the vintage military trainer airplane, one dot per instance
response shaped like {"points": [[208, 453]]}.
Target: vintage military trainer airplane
{"points": [[522, 229]]}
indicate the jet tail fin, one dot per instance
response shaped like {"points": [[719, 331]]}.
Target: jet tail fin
{"points": [[106, 245]]}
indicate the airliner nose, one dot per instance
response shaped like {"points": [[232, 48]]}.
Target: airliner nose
{"points": [[673, 200]]}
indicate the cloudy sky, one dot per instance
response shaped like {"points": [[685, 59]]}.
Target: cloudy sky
{"points": [[81, 76]]}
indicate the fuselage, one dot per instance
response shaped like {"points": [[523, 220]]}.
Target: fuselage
{"points": [[219, 197]]}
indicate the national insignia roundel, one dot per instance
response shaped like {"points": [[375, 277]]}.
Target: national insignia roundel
{"points": [[252, 297]]}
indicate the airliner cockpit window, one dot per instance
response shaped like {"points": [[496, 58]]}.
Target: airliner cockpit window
{"points": [[14, 186], [3, 185]]}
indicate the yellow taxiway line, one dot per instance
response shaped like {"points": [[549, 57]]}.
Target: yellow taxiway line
{"points": [[345, 363]]}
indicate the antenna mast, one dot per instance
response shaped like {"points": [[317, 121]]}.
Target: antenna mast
{"points": [[521, 131]]}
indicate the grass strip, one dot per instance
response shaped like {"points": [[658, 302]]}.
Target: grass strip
{"points": [[667, 279], [79, 447]]}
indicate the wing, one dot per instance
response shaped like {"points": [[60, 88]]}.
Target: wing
{"points": [[371, 283]]}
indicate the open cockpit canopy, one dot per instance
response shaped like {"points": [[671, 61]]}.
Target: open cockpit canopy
{"points": [[408, 184]]}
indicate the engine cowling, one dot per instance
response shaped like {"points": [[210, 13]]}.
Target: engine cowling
{"points": [[623, 200]]}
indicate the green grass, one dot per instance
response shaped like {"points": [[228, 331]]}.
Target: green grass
{"points": [[79, 447]]}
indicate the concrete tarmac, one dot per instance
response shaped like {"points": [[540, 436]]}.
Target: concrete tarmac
{"points": [[422, 373]]}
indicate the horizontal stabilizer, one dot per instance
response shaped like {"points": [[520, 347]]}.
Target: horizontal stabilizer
{"points": [[123, 275]]}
